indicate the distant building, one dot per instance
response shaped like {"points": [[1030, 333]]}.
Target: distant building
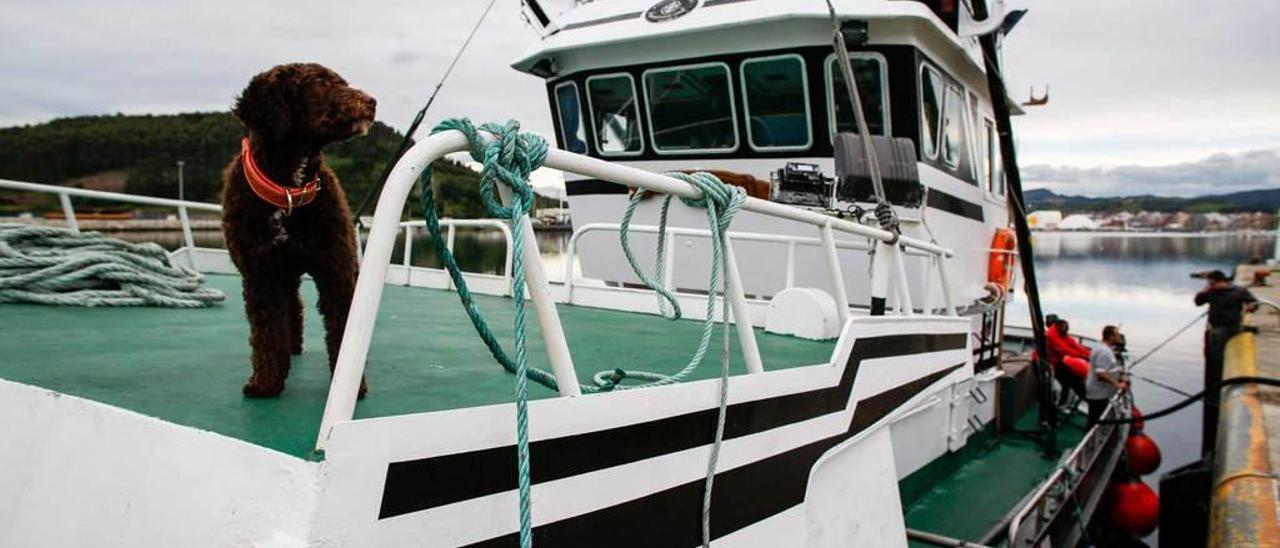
{"points": [[1077, 222], [1044, 220]]}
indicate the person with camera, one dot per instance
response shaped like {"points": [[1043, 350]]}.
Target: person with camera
{"points": [[1227, 304]]}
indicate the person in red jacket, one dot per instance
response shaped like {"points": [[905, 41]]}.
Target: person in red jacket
{"points": [[1066, 354]]}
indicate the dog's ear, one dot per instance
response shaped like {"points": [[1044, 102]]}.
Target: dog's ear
{"points": [[262, 106]]}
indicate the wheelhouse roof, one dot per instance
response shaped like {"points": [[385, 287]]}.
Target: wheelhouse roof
{"points": [[616, 32], [623, 21]]}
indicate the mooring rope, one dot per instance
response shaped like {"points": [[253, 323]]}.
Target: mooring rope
{"points": [[509, 159], [59, 266]]}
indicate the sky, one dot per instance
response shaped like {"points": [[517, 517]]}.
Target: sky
{"points": [[1169, 97]]}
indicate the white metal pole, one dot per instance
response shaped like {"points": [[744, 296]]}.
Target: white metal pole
{"points": [[880, 278], [407, 252], [837, 275], [188, 239], [69, 212], [904, 291], [741, 316], [545, 305], [341, 402], [946, 286], [791, 265]]}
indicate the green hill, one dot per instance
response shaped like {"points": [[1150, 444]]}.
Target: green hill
{"points": [[139, 155]]}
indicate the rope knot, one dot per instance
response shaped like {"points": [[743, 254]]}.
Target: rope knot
{"points": [[509, 158]]}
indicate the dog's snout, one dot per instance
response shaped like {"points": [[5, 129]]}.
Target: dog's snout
{"points": [[373, 103]]}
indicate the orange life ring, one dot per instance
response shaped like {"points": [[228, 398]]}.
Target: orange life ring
{"points": [[999, 265]]}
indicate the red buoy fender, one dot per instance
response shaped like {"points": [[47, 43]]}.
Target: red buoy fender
{"points": [[1138, 423], [999, 265], [1077, 366], [1144, 454], [1134, 508]]}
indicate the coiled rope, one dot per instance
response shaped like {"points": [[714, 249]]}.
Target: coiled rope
{"points": [[58, 266], [509, 159]]}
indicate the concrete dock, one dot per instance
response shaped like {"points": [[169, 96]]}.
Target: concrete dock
{"points": [[1245, 495]]}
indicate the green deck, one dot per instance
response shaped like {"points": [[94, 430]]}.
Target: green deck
{"points": [[187, 366], [963, 494]]}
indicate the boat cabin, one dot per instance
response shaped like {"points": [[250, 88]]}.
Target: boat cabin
{"points": [[748, 91]]}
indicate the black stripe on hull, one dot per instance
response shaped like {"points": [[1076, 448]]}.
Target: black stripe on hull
{"points": [[745, 495], [586, 187], [421, 484], [955, 205]]}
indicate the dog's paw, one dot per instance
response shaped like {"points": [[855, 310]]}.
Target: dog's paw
{"points": [[296, 349], [257, 389]]}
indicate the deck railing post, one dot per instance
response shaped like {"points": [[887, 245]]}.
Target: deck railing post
{"points": [[544, 304], [837, 275], [406, 260], [69, 212], [188, 238], [904, 291], [741, 316], [791, 265], [946, 286], [506, 263], [926, 303], [669, 262], [880, 278]]}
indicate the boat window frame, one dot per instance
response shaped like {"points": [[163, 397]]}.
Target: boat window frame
{"points": [[936, 131], [733, 109], [746, 102], [952, 88], [829, 81], [564, 135], [991, 134], [635, 104]]}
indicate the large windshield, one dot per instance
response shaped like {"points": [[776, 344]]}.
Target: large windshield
{"points": [[691, 108]]}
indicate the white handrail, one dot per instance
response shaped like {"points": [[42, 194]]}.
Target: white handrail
{"points": [[68, 210], [452, 225], [340, 405], [109, 196]]}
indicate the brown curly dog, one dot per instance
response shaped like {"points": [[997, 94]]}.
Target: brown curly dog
{"points": [[284, 213]]}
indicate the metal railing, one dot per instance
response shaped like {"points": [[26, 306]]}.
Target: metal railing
{"points": [[340, 405], [68, 210], [1059, 493], [451, 226], [792, 243]]}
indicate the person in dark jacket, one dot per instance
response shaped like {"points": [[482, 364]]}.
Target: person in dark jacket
{"points": [[1227, 304]]}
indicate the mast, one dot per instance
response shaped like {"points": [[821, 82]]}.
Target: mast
{"points": [[1017, 206]]}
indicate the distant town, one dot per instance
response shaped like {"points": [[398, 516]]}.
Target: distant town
{"points": [[1151, 221]]}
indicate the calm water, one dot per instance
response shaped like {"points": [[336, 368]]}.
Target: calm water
{"points": [[1143, 285]]}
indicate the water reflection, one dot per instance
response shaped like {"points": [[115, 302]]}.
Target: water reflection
{"points": [[1141, 283]]}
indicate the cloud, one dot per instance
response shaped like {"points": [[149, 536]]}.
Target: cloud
{"points": [[1215, 174]]}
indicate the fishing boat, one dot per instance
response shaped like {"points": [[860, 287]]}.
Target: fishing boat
{"points": [[870, 395]]}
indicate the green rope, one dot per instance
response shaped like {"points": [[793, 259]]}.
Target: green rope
{"points": [[509, 159], [58, 266]]}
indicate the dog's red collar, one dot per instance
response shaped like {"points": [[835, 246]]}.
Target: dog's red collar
{"points": [[278, 195]]}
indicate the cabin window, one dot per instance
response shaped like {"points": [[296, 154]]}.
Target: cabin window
{"points": [[615, 118], [869, 71], [953, 128], [776, 99], [691, 109], [930, 111], [992, 169], [575, 136]]}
